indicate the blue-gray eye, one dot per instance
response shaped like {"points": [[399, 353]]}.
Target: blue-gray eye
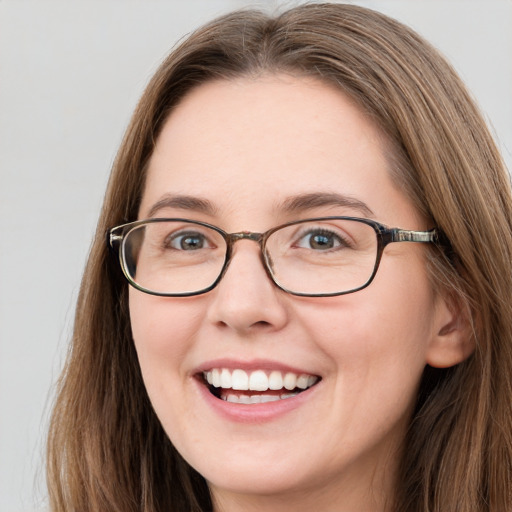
{"points": [[320, 240], [187, 241]]}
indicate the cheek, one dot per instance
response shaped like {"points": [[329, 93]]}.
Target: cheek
{"points": [[376, 340], [372, 328], [163, 332]]}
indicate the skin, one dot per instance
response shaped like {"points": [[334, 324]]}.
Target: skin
{"points": [[246, 146]]}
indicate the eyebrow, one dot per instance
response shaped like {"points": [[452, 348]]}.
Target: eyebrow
{"points": [[291, 205], [304, 202], [183, 202]]}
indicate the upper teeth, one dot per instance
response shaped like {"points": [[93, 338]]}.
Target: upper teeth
{"points": [[257, 380]]}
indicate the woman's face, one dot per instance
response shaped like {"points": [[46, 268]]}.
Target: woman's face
{"points": [[248, 149]]}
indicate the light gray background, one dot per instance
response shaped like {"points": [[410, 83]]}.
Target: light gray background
{"points": [[70, 74]]}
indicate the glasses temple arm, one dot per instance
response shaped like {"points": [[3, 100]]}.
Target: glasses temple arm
{"points": [[404, 235]]}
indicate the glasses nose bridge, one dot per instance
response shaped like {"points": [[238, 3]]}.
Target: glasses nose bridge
{"points": [[245, 235], [259, 238]]}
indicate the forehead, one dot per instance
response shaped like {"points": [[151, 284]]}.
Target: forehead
{"points": [[251, 143]]}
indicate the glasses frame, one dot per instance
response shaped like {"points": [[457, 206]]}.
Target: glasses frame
{"points": [[385, 236]]}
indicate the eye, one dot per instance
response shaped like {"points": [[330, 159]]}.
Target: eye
{"points": [[320, 240], [187, 241]]}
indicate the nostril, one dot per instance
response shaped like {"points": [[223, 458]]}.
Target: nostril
{"points": [[261, 323], [258, 325]]}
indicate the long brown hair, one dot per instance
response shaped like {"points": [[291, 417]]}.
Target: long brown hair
{"points": [[107, 450]]}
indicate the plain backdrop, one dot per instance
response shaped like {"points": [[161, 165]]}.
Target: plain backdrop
{"points": [[70, 75]]}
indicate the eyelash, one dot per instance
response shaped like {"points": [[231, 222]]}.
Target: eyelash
{"points": [[180, 236], [311, 232]]}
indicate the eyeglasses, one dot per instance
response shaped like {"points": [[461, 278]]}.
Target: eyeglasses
{"points": [[318, 257]]}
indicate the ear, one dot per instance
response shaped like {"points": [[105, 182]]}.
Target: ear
{"points": [[452, 338]]}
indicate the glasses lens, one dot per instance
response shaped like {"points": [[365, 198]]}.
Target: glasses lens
{"points": [[173, 257], [330, 256]]}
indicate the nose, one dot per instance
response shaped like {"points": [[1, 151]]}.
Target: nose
{"points": [[246, 300]]}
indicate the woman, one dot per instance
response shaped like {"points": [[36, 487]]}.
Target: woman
{"points": [[282, 346]]}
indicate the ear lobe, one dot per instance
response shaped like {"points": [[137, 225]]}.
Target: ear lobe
{"points": [[452, 338]]}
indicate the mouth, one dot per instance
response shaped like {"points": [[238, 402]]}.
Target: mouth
{"points": [[256, 387]]}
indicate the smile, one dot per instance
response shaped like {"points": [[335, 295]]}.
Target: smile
{"points": [[256, 387]]}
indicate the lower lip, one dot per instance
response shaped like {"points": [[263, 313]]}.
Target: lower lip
{"points": [[254, 413]]}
